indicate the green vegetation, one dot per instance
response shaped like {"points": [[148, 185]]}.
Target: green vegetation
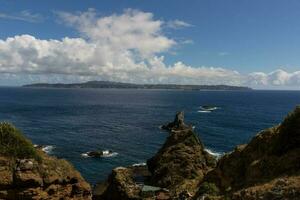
{"points": [[14, 144], [209, 188]]}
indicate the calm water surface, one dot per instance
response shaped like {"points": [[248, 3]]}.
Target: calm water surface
{"points": [[126, 120]]}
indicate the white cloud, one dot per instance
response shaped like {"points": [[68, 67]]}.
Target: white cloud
{"points": [[276, 78], [24, 15], [176, 24], [132, 30], [125, 47]]}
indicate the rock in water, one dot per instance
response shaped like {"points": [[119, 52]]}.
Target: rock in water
{"points": [[29, 173], [175, 170], [182, 161], [177, 124]]}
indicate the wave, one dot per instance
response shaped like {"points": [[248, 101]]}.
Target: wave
{"points": [[204, 111], [113, 154], [209, 108], [45, 148], [139, 164], [214, 153]]}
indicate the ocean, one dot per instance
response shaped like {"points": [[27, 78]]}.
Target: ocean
{"points": [[70, 122]]}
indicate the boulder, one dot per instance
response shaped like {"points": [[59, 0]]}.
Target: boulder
{"points": [[119, 185]]}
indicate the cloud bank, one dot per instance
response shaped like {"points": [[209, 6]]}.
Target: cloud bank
{"points": [[127, 47]]}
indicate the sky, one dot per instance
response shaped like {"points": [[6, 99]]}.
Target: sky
{"points": [[253, 43]]}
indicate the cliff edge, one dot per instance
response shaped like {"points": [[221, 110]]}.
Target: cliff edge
{"points": [[29, 173], [268, 167]]}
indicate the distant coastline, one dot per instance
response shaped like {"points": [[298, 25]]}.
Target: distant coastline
{"points": [[120, 85]]}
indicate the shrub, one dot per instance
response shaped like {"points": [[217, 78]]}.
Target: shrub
{"points": [[209, 188], [14, 144]]}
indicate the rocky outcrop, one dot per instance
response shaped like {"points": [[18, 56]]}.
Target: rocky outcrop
{"points": [[28, 173], [177, 124], [177, 169], [121, 184], [182, 161], [267, 167]]}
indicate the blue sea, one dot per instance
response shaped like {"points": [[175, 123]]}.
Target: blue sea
{"points": [[126, 121]]}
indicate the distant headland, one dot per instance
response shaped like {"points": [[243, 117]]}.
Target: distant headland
{"points": [[120, 85]]}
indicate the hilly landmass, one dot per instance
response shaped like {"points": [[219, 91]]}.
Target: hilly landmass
{"points": [[110, 84]]}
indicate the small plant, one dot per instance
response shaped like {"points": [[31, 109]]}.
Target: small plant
{"points": [[14, 144], [209, 188]]}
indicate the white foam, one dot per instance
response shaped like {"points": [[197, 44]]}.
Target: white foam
{"points": [[213, 153], [209, 109], [48, 149], [139, 164], [204, 111], [84, 155], [106, 154], [113, 154]]}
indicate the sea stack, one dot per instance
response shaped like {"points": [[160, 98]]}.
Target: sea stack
{"points": [[176, 170]]}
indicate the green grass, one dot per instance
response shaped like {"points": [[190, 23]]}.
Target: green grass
{"points": [[14, 144]]}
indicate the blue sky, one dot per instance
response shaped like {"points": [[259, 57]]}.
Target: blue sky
{"points": [[246, 36]]}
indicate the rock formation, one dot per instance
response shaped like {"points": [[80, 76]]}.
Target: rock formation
{"points": [[182, 161], [266, 168], [177, 168], [177, 124], [29, 173]]}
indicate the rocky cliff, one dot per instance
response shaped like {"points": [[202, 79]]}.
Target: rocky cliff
{"points": [[176, 170], [29, 173], [267, 168], [182, 161]]}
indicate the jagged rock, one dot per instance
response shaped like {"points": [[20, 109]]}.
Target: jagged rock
{"points": [[176, 169], [177, 124], [120, 185], [182, 162], [251, 170]]}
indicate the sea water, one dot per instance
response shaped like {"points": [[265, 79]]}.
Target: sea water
{"points": [[70, 122]]}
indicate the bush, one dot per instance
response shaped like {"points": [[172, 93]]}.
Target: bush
{"points": [[209, 188], [14, 144]]}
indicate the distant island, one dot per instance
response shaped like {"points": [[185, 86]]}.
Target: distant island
{"points": [[120, 85]]}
